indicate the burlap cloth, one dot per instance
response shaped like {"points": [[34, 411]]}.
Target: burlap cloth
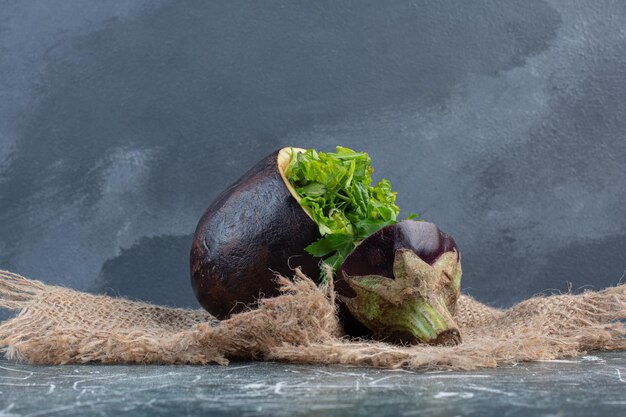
{"points": [[58, 326]]}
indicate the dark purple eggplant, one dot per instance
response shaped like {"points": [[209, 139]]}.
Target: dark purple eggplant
{"points": [[251, 231], [401, 284]]}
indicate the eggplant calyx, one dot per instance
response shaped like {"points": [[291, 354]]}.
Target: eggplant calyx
{"points": [[416, 306]]}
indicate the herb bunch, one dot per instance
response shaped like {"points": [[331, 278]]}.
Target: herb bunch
{"points": [[336, 191]]}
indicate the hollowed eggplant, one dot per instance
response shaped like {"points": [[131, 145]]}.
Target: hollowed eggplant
{"points": [[251, 231]]}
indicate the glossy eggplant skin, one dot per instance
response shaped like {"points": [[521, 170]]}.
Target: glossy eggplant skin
{"points": [[375, 256], [251, 231]]}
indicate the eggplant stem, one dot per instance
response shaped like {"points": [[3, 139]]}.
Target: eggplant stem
{"points": [[427, 323]]}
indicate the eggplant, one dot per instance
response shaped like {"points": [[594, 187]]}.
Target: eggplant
{"points": [[251, 231], [401, 284]]}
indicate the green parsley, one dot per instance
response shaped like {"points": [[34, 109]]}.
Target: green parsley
{"points": [[336, 191]]}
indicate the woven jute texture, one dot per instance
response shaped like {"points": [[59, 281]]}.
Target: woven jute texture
{"points": [[58, 326]]}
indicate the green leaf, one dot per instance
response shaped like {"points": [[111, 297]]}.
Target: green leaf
{"points": [[313, 189], [330, 243]]}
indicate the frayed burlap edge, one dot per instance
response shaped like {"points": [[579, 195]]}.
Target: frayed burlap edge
{"points": [[57, 326]]}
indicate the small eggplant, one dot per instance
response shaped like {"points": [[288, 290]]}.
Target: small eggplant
{"points": [[402, 283]]}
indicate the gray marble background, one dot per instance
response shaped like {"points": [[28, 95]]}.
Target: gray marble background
{"points": [[502, 121]]}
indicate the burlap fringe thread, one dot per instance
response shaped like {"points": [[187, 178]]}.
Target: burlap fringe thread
{"points": [[59, 326]]}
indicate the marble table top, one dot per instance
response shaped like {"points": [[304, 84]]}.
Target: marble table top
{"points": [[594, 385]]}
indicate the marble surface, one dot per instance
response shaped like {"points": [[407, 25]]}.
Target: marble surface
{"points": [[593, 385]]}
